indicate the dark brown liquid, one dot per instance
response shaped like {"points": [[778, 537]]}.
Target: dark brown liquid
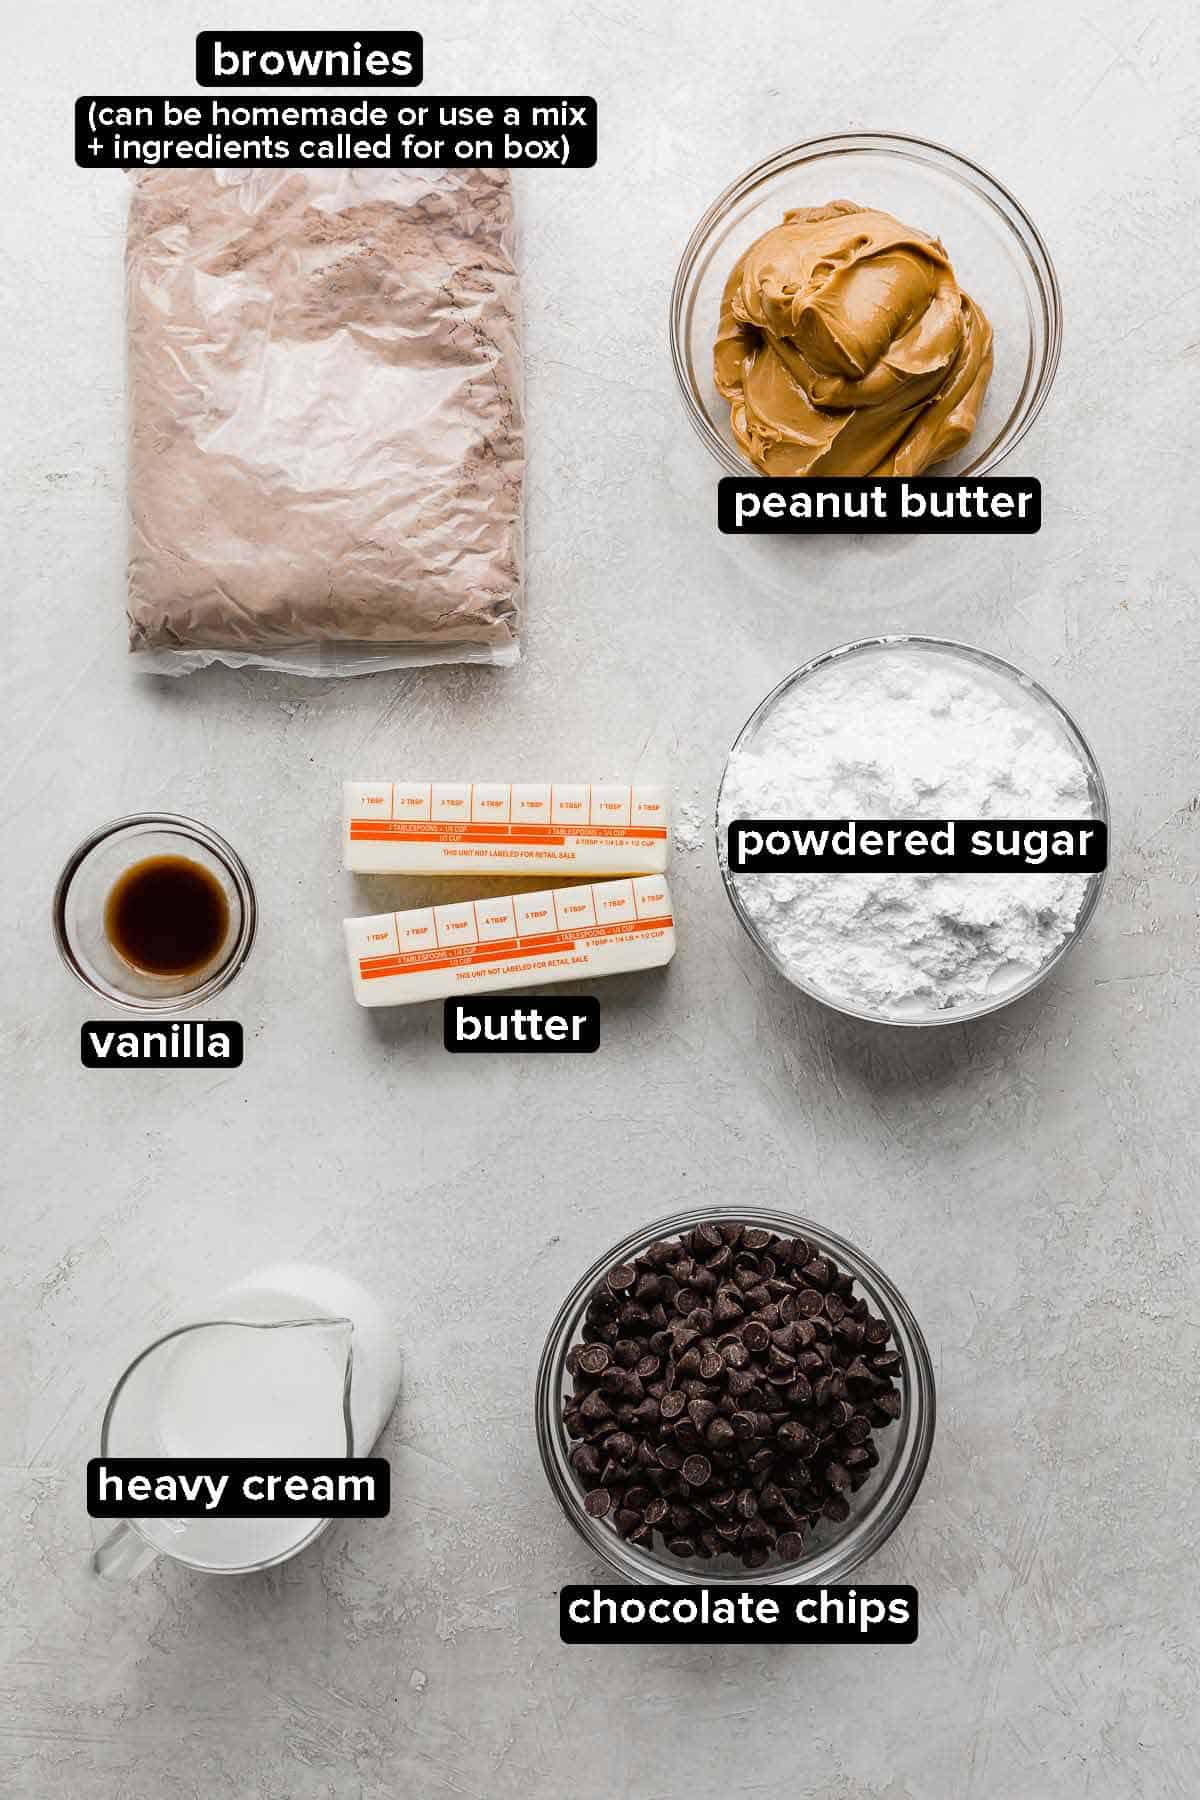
{"points": [[167, 916]]}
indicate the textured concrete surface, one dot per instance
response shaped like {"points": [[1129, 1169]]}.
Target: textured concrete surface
{"points": [[1029, 1182]]}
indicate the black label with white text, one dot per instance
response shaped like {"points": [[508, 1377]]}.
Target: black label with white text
{"points": [[239, 1487], [308, 58], [752, 1614], [322, 131], [917, 846], [920, 503], [169, 1044], [522, 1024]]}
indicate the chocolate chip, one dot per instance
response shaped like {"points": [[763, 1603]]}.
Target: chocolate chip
{"points": [[622, 1277], [701, 1413], [597, 1503], [788, 1546], [697, 1470], [593, 1359], [797, 1439], [859, 1378], [756, 1337]]}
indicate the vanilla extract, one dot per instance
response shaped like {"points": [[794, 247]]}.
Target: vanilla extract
{"points": [[167, 916]]}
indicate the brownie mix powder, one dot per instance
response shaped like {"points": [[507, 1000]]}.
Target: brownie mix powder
{"points": [[326, 444]]}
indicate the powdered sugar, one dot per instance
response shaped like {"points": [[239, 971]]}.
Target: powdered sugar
{"points": [[909, 731], [688, 830]]}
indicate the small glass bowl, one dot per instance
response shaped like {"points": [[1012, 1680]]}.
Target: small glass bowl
{"points": [[833, 1550], [996, 250], [88, 879], [1043, 702]]}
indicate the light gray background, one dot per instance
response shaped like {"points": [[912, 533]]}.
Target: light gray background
{"points": [[1028, 1182]]}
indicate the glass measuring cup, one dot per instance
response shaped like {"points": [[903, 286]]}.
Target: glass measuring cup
{"points": [[242, 1385]]}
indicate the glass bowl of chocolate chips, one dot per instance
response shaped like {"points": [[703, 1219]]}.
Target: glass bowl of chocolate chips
{"points": [[735, 1395]]}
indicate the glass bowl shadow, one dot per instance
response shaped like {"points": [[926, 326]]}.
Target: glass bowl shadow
{"points": [[833, 1551], [997, 252]]}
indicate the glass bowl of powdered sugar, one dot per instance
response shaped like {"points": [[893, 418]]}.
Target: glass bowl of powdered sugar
{"points": [[912, 729]]}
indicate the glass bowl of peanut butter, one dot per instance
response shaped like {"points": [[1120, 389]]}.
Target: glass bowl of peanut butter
{"points": [[865, 304]]}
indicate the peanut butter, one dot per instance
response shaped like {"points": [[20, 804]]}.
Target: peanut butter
{"points": [[846, 347]]}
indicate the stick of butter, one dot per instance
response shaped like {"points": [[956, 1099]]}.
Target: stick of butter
{"points": [[531, 827], [484, 946]]}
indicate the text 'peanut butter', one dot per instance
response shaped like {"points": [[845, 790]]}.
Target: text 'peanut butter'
{"points": [[846, 347]]}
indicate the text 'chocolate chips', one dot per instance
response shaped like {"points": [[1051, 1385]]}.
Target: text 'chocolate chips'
{"points": [[726, 1395]]}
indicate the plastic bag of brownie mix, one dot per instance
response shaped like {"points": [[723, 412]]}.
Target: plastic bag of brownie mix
{"points": [[326, 439]]}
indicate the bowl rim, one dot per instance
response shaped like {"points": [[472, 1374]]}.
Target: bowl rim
{"points": [[958, 1015], [825, 1563], [987, 187], [197, 833]]}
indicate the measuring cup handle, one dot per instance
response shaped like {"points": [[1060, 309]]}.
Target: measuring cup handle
{"points": [[122, 1555]]}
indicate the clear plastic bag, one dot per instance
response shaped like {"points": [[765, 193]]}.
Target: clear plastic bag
{"points": [[326, 435]]}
